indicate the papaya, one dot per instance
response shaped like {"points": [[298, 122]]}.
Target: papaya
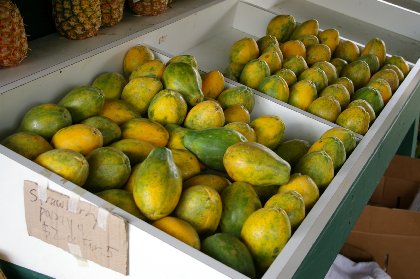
{"points": [[400, 62], [185, 58], [152, 68], [111, 84], [207, 114], [179, 229], [244, 128], [109, 129], [334, 147], [136, 56], [122, 199], [269, 130], [119, 111], [186, 162], [238, 95], [281, 27], [176, 134], [140, 91], [305, 186], [45, 120], [27, 144], [309, 27], [109, 168], [231, 251], [239, 200], [358, 72], [243, 50], [236, 113], [276, 87], [291, 150], [256, 164], [209, 145], [372, 96], [145, 129], [158, 184], [185, 79], [69, 164], [265, 41], [216, 181], [292, 202], [272, 59], [254, 72], [319, 166], [201, 206], [82, 138], [265, 233], [167, 106], [135, 149], [377, 47], [83, 102], [345, 135]]}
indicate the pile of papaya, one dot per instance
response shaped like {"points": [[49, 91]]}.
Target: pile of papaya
{"points": [[178, 149], [318, 71]]}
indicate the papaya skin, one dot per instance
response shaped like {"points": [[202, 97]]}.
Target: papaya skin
{"points": [[185, 79], [157, 184], [256, 164]]}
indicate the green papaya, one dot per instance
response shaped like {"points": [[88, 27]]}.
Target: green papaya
{"points": [[157, 184], [185, 79], [210, 144], [256, 164], [231, 251], [83, 102], [239, 200]]}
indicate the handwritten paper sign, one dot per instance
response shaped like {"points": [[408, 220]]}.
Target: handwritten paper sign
{"points": [[83, 229]]}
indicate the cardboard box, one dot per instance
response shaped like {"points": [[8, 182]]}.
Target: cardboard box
{"points": [[386, 231]]}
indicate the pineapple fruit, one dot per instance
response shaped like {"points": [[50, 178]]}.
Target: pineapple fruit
{"points": [[112, 12], [77, 19], [148, 7], [13, 41]]}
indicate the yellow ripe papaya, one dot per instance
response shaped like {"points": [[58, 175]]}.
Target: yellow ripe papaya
{"points": [[256, 164], [254, 72], [157, 184], [243, 50], [69, 164]]}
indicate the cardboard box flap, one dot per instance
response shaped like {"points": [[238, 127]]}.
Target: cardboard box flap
{"points": [[390, 221], [395, 192], [404, 167]]}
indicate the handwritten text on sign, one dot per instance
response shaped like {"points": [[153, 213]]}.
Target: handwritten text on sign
{"points": [[82, 229]]}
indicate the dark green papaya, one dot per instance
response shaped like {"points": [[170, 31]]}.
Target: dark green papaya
{"points": [[239, 200], [209, 145], [231, 251], [185, 79]]}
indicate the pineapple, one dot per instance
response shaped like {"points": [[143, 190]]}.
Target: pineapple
{"points": [[77, 19], [112, 11], [148, 7], [13, 41]]}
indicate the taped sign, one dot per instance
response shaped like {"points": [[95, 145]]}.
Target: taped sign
{"points": [[83, 229]]}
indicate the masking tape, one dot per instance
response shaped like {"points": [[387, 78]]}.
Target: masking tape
{"points": [[73, 202], [42, 190], [75, 250], [102, 218]]}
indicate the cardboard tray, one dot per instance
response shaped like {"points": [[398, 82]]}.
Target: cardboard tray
{"points": [[153, 253]]}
